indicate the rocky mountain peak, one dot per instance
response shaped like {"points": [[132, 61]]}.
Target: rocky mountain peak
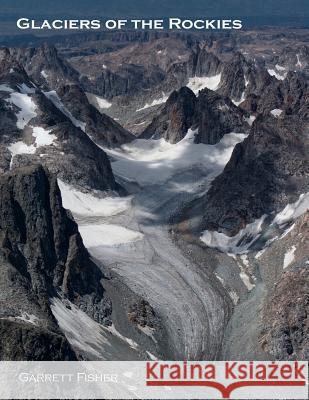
{"points": [[48, 50], [181, 96], [103, 129], [215, 116], [274, 149], [204, 63], [175, 118], [234, 76]]}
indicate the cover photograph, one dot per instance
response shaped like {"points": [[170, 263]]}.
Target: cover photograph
{"points": [[154, 199]]}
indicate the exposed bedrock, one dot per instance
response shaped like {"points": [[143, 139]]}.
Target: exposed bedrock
{"points": [[266, 171], [176, 117], [41, 255]]}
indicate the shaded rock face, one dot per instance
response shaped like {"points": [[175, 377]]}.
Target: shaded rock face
{"points": [[103, 129], [266, 171], [265, 102], [286, 330], [210, 114], [41, 255], [204, 63], [296, 95], [233, 79], [240, 77], [290, 95], [20, 342], [215, 116], [126, 80], [45, 66], [175, 119], [10, 69]]}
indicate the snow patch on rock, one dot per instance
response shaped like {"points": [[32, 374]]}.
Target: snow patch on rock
{"points": [[6, 88], [242, 98], [116, 333], [42, 136], [289, 257], [243, 273], [277, 74], [293, 210], [156, 102], [276, 112], [25, 89], [81, 331], [86, 204], [238, 244], [250, 119], [98, 102], [299, 63], [21, 148], [234, 296], [44, 74], [279, 67], [197, 83], [107, 235]]}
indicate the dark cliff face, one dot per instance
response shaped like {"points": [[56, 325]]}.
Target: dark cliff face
{"points": [[204, 63], [127, 80], [266, 171], [241, 77], [295, 91], [175, 119], [103, 129], [41, 255], [215, 116], [138, 68]]}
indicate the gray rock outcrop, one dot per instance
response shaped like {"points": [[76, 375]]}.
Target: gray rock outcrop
{"points": [[41, 256]]}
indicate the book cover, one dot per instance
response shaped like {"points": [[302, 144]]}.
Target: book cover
{"points": [[154, 199]]}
